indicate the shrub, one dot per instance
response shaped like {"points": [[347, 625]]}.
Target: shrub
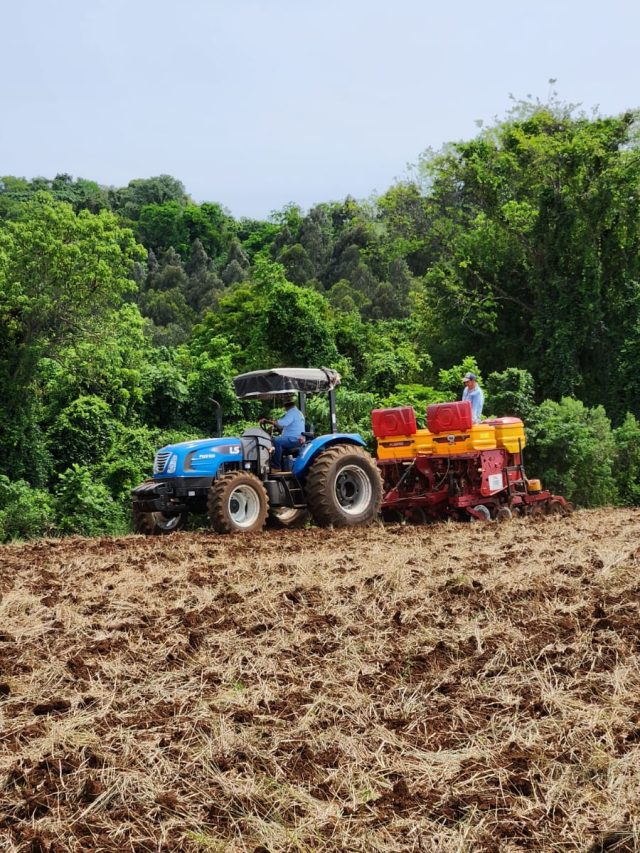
{"points": [[165, 390], [25, 512], [83, 433], [573, 450], [353, 411], [25, 455], [209, 380], [418, 396], [385, 369], [627, 464], [129, 461], [83, 505], [510, 394]]}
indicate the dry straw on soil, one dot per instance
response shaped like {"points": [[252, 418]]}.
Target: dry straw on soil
{"points": [[446, 688]]}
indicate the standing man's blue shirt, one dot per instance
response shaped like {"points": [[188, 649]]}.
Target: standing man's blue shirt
{"points": [[476, 398], [292, 423]]}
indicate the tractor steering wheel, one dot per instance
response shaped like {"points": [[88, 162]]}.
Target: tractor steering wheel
{"points": [[266, 425]]}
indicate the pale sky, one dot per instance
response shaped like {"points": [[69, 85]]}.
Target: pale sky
{"points": [[258, 103]]}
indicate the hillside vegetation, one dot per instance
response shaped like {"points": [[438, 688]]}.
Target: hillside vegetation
{"points": [[452, 687], [125, 310]]}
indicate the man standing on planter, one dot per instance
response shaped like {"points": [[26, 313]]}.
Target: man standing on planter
{"points": [[473, 392]]}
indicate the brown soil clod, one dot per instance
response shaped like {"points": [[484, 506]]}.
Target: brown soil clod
{"points": [[90, 790], [53, 706]]}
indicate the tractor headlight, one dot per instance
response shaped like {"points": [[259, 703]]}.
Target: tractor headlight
{"points": [[173, 464]]}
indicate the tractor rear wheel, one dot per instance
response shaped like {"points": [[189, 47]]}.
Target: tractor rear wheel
{"points": [[344, 487], [237, 503], [157, 523]]}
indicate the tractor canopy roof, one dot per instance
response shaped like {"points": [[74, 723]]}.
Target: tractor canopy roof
{"points": [[284, 381]]}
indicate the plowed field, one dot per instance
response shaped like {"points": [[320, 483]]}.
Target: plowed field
{"points": [[446, 688]]}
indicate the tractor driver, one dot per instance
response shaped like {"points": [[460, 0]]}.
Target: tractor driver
{"points": [[291, 425], [474, 394]]}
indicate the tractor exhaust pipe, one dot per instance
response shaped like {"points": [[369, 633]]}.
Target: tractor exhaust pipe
{"points": [[218, 418]]}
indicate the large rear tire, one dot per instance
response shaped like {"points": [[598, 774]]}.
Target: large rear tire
{"points": [[237, 503], [157, 523], [344, 487]]}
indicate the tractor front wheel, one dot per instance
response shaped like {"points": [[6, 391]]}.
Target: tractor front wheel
{"points": [[344, 487], [157, 523], [237, 503]]}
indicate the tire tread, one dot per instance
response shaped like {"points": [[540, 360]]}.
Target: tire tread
{"points": [[321, 502], [218, 517], [143, 523]]}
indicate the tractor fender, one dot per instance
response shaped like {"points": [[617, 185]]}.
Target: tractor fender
{"points": [[313, 448]]}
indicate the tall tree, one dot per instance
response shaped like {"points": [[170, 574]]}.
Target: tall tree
{"points": [[535, 251], [60, 274], [140, 192]]}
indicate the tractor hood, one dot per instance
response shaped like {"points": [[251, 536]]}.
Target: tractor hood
{"points": [[191, 457]]}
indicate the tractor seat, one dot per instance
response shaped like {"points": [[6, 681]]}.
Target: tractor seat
{"points": [[309, 434], [293, 452]]}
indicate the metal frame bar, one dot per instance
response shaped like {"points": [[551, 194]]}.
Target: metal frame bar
{"points": [[332, 411]]}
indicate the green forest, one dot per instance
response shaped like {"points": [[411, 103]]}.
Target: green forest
{"points": [[125, 311]]}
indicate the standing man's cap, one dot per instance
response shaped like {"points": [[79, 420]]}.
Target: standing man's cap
{"points": [[469, 376]]}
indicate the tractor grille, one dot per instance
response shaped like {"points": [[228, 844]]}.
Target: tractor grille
{"points": [[159, 462]]}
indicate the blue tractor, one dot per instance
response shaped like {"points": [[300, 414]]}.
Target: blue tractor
{"points": [[330, 477]]}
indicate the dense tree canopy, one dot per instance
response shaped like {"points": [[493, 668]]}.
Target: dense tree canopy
{"points": [[62, 275], [533, 252], [125, 311]]}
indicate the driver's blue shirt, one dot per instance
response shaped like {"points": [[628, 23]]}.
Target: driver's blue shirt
{"points": [[292, 423]]}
